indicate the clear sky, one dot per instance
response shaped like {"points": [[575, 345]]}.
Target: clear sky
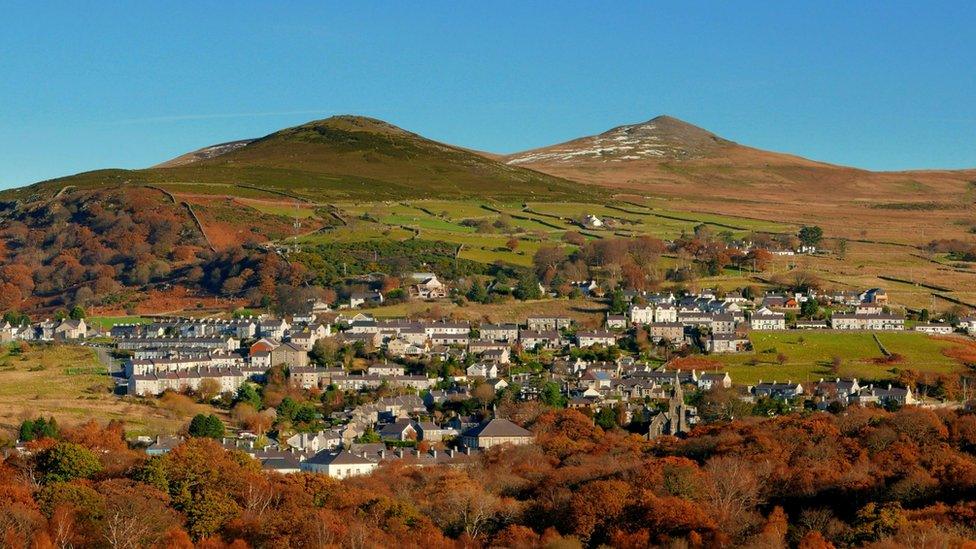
{"points": [[881, 85]]}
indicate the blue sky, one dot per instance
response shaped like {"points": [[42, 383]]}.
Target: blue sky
{"points": [[881, 85]]}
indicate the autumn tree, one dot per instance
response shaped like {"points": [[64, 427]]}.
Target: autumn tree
{"points": [[66, 461]]}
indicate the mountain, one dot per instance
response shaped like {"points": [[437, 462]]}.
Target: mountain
{"points": [[672, 158], [339, 158], [660, 138]]}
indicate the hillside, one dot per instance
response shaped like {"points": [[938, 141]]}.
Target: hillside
{"points": [[663, 137], [696, 170], [204, 154], [343, 157]]}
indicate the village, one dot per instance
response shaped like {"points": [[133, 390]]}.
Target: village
{"points": [[427, 390]]}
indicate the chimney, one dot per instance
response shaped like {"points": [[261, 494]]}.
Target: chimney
{"points": [[433, 452], [399, 453], [451, 452], [383, 454], [467, 450]]}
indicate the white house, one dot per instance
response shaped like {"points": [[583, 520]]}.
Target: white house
{"points": [[598, 337], [934, 329], [766, 319], [487, 370], [340, 465]]}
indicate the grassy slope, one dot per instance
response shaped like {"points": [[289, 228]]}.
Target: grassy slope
{"points": [[70, 384], [809, 355], [340, 158]]}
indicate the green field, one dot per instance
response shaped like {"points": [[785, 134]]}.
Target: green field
{"points": [[282, 209], [809, 355], [439, 220], [106, 322]]}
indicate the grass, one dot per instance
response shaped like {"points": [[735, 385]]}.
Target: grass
{"points": [[106, 322], [809, 355], [285, 210], [70, 384]]}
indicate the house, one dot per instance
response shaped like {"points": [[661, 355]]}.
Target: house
{"points": [[665, 313], [968, 324], [671, 331], [435, 330], [884, 395], [597, 337], [318, 307], [439, 396], [546, 339], [307, 377], [427, 286], [547, 323], [304, 339], [386, 369], [934, 329], [315, 442], [359, 299], [497, 384], [616, 322], [725, 343], [709, 380], [45, 329], [735, 297], [501, 356], [458, 340], [478, 346], [875, 295], [163, 444], [263, 345], [587, 287], [290, 355], [225, 343], [837, 389], [495, 432], [774, 301], [592, 221], [273, 328], [696, 318], [487, 370], [8, 332], [723, 323], [869, 309], [499, 332], [71, 329], [858, 321], [432, 432], [641, 314], [775, 389], [765, 319], [342, 464], [811, 325], [369, 340], [245, 328], [399, 347], [285, 463], [401, 429]]}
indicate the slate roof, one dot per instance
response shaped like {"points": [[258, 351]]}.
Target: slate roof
{"points": [[497, 428], [328, 457]]}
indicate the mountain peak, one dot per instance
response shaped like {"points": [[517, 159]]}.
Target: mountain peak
{"points": [[660, 138], [344, 123]]}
